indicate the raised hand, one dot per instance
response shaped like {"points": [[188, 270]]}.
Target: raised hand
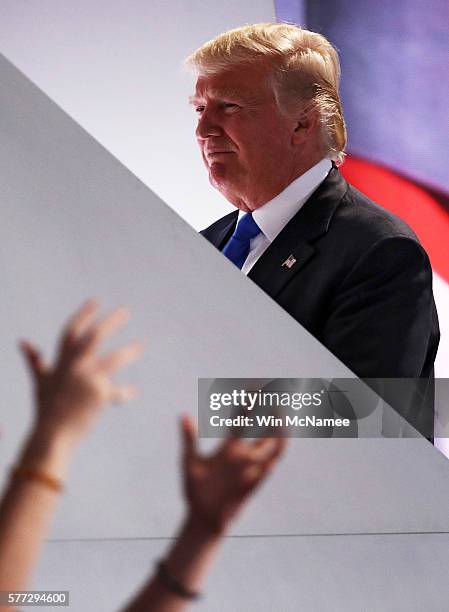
{"points": [[217, 485], [71, 393]]}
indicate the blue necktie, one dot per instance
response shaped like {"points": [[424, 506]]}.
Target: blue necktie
{"points": [[237, 248]]}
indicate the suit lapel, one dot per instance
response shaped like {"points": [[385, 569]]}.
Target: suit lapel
{"points": [[225, 232], [219, 232], [293, 247], [279, 264]]}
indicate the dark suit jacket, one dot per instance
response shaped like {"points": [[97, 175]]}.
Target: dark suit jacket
{"points": [[361, 284]]}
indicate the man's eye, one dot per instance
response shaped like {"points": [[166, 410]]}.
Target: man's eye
{"points": [[199, 109], [230, 106]]}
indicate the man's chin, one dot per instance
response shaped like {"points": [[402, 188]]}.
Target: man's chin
{"points": [[218, 176], [222, 179]]}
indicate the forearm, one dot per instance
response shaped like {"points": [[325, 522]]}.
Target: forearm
{"points": [[27, 509], [187, 561]]}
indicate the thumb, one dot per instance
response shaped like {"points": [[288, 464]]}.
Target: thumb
{"points": [[189, 436], [33, 358]]}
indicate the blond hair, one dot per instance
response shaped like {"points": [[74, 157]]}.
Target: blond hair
{"points": [[306, 72]]}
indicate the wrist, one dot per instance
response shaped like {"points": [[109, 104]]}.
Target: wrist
{"points": [[191, 553], [204, 530], [46, 451]]}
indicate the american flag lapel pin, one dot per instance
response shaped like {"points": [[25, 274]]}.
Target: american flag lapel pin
{"points": [[289, 262]]}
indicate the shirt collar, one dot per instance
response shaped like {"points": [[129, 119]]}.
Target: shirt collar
{"points": [[273, 216]]}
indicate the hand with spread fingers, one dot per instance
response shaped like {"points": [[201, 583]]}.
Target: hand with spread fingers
{"points": [[72, 392], [217, 485], [69, 395]]}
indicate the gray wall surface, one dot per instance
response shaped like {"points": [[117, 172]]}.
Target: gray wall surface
{"points": [[349, 573]]}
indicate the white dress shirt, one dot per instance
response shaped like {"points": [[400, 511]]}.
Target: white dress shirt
{"points": [[273, 216]]}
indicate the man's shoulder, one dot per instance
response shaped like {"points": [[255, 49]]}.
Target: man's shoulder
{"points": [[360, 216], [356, 229]]}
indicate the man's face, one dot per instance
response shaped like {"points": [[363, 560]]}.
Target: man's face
{"points": [[245, 141]]}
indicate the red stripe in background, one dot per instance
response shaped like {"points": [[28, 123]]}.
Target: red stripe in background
{"points": [[419, 207]]}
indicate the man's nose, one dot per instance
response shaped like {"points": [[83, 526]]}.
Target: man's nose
{"points": [[207, 126]]}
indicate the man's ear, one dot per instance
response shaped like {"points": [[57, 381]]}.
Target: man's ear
{"points": [[305, 125]]}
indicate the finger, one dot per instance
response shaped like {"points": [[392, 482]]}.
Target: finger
{"points": [[273, 457], [119, 358], [189, 436], [123, 393], [79, 322], [104, 328], [251, 475], [256, 472], [278, 448], [281, 445], [235, 449], [233, 444], [33, 358], [267, 449], [258, 442]]}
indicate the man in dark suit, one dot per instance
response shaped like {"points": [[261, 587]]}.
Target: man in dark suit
{"points": [[271, 133]]}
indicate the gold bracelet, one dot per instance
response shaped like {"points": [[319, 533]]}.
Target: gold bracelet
{"points": [[38, 476]]}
